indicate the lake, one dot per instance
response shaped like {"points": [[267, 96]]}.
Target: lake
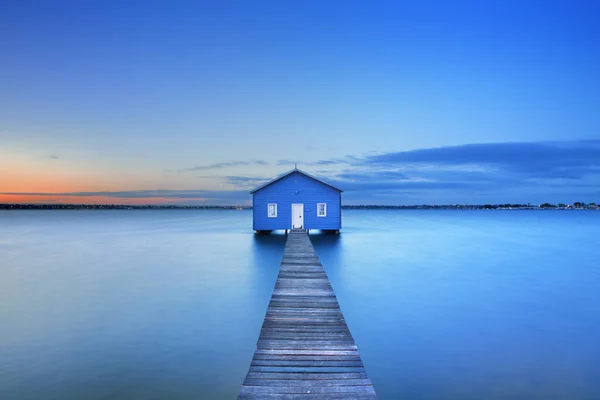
{"points": [[168, 304]]}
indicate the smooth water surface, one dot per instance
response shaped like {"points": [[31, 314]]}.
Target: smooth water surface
{"points": [[168, 304]]}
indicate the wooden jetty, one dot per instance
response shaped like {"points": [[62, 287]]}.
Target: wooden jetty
{"points": [[305, 350]]}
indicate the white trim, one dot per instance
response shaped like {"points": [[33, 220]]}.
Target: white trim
{"points": [[269, 210], [324, 209]]}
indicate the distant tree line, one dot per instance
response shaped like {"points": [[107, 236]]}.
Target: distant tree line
{"points": [[496, 206], [113, 207], [576, 205]]}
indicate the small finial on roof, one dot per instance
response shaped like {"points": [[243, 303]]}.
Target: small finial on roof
{"points": [[295, 166]]}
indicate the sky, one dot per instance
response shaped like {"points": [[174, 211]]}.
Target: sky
{"points": [[197, 102]]}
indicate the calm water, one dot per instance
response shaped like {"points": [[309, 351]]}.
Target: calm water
{"points": [[168, 304]]}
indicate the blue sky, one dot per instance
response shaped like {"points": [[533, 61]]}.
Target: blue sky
{"points": [[396, 102]]}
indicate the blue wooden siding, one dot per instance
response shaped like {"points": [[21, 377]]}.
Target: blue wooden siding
{"points": [[297, 188]]}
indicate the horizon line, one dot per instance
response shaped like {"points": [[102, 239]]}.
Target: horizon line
{"points": [[72, 205]]}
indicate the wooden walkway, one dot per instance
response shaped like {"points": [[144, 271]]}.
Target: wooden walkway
{"points": [[305, 350]]}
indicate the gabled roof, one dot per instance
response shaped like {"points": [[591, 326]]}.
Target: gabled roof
{"points": [[289, 173]]}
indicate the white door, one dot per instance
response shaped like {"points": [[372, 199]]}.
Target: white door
{"points": [[297, 216]]}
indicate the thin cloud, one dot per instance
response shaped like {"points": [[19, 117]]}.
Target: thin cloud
{"points": [[503, 170], [222, 165], [244, 179], [350, 175], [288, 162], [326, 162], [566, 159], [238, 181]]}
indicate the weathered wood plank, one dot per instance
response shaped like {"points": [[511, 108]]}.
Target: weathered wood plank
{"points": [[322, 370], [309, 389], [304, 310], [309, 363], [315, 335], [310, 383], [290, 376], [293, 357], [306, 352], [329, 396], [305, 349]]}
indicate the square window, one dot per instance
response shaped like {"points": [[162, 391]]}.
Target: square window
{"points": [[321, 209], [272, 210]]}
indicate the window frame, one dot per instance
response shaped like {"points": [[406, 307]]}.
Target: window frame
{"points": [[269, 210], [324, 210]]}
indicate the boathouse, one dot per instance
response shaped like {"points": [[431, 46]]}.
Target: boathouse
{"points": [[296, 200]]}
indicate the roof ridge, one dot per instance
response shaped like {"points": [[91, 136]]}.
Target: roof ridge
{"points": [[290, 172]]}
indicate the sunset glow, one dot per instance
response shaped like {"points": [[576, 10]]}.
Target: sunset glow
{"points": [[24, 199], [397, 102]]}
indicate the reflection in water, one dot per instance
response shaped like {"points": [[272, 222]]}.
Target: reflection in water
{"points": [[130, 305], [471, 305], [267, 247], [169, 304], [267, 251], [325, 239], [328, 249], [271, 245]]}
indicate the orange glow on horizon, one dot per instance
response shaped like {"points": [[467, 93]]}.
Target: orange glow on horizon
{"points": [[58, 199]]}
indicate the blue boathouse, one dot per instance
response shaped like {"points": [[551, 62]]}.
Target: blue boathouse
{"points": [[296, 200]]}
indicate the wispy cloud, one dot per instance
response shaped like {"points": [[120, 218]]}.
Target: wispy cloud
{"points": [[501, 170], [244, 179], [565, 159], [472, 168], [53, 157], [240, 182], [222, 165], [350, 175], [287, 162], [347, 160], [326, 162]]}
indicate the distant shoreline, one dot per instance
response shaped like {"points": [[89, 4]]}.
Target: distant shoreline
{"points": [[545, 206]]}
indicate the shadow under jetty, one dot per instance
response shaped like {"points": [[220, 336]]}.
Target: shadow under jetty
{"points": [[310, 231]]}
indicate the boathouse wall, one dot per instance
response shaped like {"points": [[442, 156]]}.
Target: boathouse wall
{"points": [[297, 188]]}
